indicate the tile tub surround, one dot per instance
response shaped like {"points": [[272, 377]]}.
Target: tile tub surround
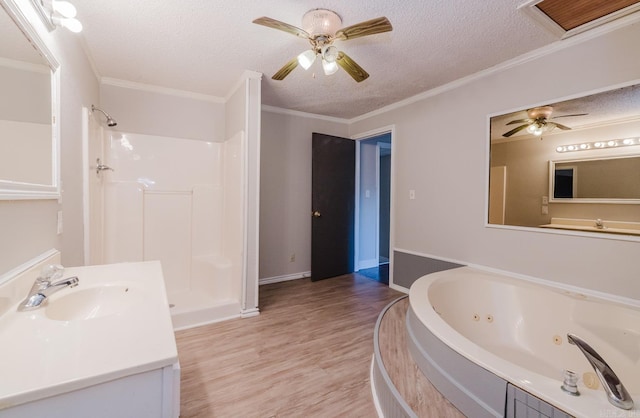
{"points": [[49, 357]]}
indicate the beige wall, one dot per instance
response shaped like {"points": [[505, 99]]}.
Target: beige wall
{"points": [[441, 142], [157, 113], [29, 227], [285, 190]]}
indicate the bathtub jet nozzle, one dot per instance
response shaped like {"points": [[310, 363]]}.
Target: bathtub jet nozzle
{"points": [[616, 392]]}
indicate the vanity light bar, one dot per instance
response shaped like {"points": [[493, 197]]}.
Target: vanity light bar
{"points": [[611, 143]]}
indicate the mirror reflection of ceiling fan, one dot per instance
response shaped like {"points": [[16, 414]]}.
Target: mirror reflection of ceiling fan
{"points": [[321, 28], [539, 121]]}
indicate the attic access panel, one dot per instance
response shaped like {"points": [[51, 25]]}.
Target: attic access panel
{"points": [[572, 14]]}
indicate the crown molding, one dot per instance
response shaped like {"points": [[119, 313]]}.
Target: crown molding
{"points": [[246, 75], [515, 62], [283, 111], [161, 90], [24, 66]]}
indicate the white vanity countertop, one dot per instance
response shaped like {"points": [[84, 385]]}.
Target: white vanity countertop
{"points": [[42, 357]]}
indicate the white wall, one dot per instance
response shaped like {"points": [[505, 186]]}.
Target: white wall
{"points": [[441, 142], [285, 190], [29, 227]]}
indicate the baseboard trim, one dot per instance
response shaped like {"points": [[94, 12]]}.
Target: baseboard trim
{"points": [[285, 278], [248, 313]]}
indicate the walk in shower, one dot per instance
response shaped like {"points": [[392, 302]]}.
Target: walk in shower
{"points": [[182, 202]]}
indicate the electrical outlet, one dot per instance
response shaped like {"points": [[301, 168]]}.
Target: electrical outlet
{"points": [[545, 209], [412, 194], [292, 259]]}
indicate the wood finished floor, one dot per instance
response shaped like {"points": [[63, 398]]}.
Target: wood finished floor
{"points": [[423, 398], [307, 354]]}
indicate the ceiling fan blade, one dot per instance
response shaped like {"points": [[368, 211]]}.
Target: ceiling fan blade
{"points": [[351, 67], [515, 130], [566, 116], [563, 127], [370, 27], [513, 122], [276, 24], [284, 71]]}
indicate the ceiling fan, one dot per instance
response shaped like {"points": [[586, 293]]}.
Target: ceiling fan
{"points": [[321, 27], [539, 121]]}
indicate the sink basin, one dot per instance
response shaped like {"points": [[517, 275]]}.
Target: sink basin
{"points": [[93, 302]]}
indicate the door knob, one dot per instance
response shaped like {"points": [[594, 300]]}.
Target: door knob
{"points": [[316, 214]]}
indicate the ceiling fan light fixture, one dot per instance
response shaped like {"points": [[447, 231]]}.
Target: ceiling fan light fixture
{"points": [[307, 58], [321, 22], [330, 53], [329, 67]]}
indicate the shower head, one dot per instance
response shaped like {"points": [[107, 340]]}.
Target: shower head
{"points": [[110, 120]]}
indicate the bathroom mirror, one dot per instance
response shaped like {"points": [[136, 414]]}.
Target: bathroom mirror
{"points": [[28, 111], [591, 144], [598, 180]]}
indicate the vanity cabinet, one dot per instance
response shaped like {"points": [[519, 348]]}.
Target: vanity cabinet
{"points": [[102, 349], [152, 394]]}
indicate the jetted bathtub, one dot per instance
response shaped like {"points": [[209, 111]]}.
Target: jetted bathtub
{"points": [[479, 336]]}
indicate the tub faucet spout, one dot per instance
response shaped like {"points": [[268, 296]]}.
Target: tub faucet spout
{"points": [[616, 392]]}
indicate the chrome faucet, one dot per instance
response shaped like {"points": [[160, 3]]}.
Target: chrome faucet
{"points": [[43, 287], [599, 224], [616, 392]]}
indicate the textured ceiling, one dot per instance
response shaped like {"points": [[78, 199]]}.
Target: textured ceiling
{"points": [[203, 46]]}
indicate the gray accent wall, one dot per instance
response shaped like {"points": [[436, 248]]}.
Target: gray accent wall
{"points": [[407, 268]]}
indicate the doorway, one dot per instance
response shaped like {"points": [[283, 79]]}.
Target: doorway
{"points": [[373, 207]]}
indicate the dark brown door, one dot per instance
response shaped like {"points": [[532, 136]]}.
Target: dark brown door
{"points": [[332, 206]]}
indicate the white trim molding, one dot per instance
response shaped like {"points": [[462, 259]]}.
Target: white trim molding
{"points": [[285, 278], [282, 111], [108, 81]]}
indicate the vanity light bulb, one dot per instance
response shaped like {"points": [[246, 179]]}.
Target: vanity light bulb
{"points": [[611, 143], [64, 8], [598, 144], [559, 149], [571, 148], [628, 141], [584, 146], [73, 25]]}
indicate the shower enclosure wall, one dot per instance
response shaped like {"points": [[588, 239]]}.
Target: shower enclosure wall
{"points": [[182, 202]]}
